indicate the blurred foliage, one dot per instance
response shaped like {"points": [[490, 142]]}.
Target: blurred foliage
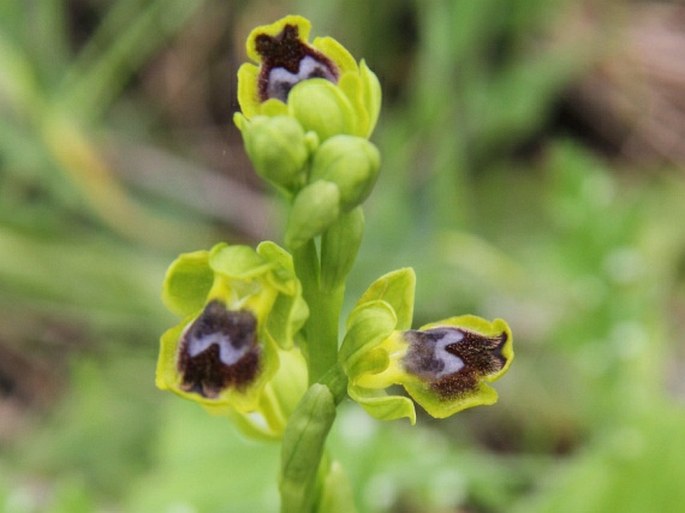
{"points": [[116, 153]]}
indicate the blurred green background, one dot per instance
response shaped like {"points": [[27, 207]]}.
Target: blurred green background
{"points": [[534, 169]]}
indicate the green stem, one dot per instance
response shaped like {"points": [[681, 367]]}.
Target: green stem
{"points": [[324, 310], [304, 474], [336, 380]]}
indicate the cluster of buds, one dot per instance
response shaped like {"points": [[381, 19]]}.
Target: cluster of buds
{"points": [[307, 113], [240, 349]]}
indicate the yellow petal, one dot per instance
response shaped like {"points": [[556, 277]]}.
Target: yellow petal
{"points": [[248, 91], [303, 25], [337, 53]]}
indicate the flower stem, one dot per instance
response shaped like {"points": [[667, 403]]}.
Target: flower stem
{"points": [[324, 310], [336, 380], [322, 275]]}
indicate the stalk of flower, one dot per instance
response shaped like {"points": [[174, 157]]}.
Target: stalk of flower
{"points": [[240, 311]]}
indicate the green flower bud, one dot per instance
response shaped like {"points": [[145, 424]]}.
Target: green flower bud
{"points": [[277, 147], [350, 162], [316, 207], [339, 247], [322, 107]]}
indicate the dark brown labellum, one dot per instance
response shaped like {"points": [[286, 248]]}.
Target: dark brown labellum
{"points": [[219, 350], [453, 360], [286, 61]]}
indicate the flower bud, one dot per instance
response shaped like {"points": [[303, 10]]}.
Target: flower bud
{"points": [[322, 107], [277, 147], [339, 247], [316, 207], [352, 163]]}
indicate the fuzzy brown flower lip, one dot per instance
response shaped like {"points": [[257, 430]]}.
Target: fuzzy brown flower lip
{"points": [[452, 360], [286, 60], [219, 350]]}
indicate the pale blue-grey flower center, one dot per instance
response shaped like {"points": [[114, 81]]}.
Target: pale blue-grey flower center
{"points": [[451, 363], [281, 81], [228, 353], [433, 354]]}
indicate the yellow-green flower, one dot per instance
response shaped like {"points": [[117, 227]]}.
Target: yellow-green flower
{"points": [[444, 366], [318, 83], [240, 310]]}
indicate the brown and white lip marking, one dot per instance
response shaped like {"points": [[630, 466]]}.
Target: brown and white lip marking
{"points": [[219, 350], [286, 60], [453, 360]]}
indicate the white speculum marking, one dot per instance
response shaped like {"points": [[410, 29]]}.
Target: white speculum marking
{"points": [[309, 67], [451, 363], [228, 354]]}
